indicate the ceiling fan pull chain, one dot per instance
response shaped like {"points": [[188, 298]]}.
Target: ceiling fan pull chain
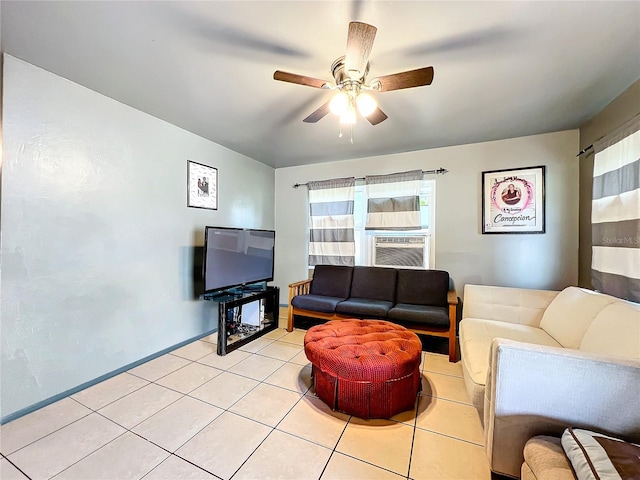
{"points": [[340, 134], [351, 132]]}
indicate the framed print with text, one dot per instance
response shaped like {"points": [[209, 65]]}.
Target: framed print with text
{"points": [[202, 186], [513, 200]]}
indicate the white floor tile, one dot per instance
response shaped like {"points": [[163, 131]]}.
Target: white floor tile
{"points": [[110, 390], [256, 345], [444, 386], [283, 456], [276, 334], [175, 468], [9, 472], [313, 420], [224, 362], [159, 367], [296, 337], [223, 446], [292, 377], [273, 426], [173, 426], [439, 457], [266, 404], [213, 338], [383, 443], [195, 350], [434, 362], [301, 359], [58, 451], [257, 367], [281, 350], [135, 457], [450, 418], [224, 390], [189, 378], [139, 405], [342, 467], [33, 426]]}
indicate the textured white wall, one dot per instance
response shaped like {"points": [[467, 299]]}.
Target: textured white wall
{"points": [[97, 241], [546, 261]]}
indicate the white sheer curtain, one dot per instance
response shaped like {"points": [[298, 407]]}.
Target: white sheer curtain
{"points": [[615, 213]]}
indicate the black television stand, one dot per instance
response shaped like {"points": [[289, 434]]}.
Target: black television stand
{"points": [[244, 315], [251, 288]]}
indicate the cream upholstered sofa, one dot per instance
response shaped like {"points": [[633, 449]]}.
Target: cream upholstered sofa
{"points": [[536, 361]]}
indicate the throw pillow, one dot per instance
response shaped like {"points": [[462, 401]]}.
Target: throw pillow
{"points": [[595, 456]]}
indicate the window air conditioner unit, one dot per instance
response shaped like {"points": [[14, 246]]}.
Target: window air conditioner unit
{"points": [[401, 251]]}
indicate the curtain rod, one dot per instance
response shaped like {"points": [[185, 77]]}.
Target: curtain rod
{"points": [[424, 172], [585, 150]]}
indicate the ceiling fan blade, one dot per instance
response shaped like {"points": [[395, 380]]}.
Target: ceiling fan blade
{"points": [[411, 78], [377, 116], [299, 79], [359, 44], [318, 114]]}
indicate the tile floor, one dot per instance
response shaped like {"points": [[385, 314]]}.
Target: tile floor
{"points": [[252, 414]]}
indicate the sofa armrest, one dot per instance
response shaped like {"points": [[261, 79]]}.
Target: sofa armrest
{"points": [[452, 297], [539, 390], [302, 284], [297, 288], [452, 300]]}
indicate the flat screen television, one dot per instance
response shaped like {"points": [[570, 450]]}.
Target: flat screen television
{"points": [[236, 257]]}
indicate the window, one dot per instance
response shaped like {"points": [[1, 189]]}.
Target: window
{"points": [[399, 247]]}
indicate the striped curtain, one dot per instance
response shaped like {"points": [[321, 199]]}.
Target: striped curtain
{"points": [[393, 201], [615, 214], [331, 239]]}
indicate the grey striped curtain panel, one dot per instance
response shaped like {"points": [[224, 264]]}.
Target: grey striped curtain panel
{"points": [[331, 234], [393, 201], [615, 213]]}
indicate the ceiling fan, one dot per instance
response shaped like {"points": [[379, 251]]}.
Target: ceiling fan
{"points": [[350, 77]]}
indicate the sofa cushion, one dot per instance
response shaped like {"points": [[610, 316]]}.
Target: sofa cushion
{"points": [[420, 314], [375, 283], [597, 456], [331, 281], [364, 307], [615, 331], [513, 305], [569, 315], [476, 336], [316, 303], [422, 287]]}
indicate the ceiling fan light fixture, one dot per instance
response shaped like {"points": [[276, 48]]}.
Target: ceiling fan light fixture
{"points": [[350, 76], [366, 104], [348, 117], [339, 104]]}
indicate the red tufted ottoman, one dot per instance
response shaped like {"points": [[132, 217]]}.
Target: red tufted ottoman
{"points": [[366, 368]]}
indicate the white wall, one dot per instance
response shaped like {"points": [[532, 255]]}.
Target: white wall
{"points": [[547, 261], [97, 240]]}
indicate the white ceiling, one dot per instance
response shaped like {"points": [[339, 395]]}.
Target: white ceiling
{"points": [[502, 69]]}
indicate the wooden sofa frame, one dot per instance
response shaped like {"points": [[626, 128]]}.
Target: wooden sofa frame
{"points": [[302, 288]]}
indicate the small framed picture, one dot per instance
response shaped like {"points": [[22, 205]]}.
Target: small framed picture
{"points": [[513, 200], [202, 186]]}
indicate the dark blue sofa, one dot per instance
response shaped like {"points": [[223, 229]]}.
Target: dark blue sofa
{"points": [[419, 300]]}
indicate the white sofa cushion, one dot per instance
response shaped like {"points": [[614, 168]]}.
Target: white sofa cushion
{"points": [[615, 331], [569, 315], [513, 305], [475, 342]]}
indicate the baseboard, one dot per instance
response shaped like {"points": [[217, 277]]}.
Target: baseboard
{"points": [[90, 383]]}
